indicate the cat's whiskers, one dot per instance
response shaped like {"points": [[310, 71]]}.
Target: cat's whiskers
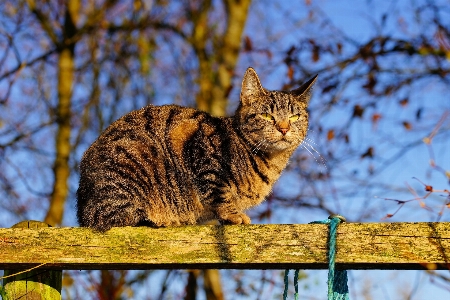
{"points": [[255, 148], [266, 145], [310, 141], [314, 153], [258, 146]]}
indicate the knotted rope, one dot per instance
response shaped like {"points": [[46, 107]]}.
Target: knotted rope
{"points": [[337, 279]]}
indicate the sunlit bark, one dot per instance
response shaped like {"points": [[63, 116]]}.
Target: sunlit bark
{"points": [[216, 69], [61, 168]]}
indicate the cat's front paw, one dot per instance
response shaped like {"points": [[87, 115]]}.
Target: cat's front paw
{"points": [[235, 219]]}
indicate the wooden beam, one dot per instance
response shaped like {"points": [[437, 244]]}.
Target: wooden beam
{"points": [[359, 246]]}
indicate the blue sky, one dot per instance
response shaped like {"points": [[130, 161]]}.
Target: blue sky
{"points": [[356, 19]]}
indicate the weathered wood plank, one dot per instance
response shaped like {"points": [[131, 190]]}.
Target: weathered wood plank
{"points": [[360, 246], [35, 284]]}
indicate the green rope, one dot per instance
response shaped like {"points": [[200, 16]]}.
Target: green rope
{"points": [[286, 284], [337, 279], [296, 284]]}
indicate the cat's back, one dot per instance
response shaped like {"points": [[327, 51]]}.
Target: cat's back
{"points": [[148, 125], [149, 138]]}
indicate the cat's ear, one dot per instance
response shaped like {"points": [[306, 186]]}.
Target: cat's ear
{"points": [[251, 86], [304, 92]]}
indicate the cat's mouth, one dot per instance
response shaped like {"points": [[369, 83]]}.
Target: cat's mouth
{"points": [[286, 139], [283, 142]]}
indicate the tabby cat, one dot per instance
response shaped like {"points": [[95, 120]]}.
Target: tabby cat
{"points": [[170, 165]]}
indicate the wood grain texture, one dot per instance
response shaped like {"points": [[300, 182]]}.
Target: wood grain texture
{"points": [[359, 246], [34, 284]]}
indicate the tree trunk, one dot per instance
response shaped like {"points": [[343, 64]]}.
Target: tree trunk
{"points": [[216, 69], [61, 169], [227, 54], [212, 285]]}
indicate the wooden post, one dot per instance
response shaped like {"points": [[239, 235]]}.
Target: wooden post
{"points": [[37, 284]]}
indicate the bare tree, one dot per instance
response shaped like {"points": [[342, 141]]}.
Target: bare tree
{"points": [[68, 69]]}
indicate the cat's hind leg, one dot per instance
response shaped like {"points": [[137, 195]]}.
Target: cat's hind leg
{"points": [[103, 216]]}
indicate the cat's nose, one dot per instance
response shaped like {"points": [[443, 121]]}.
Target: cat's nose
{"points": [[283, 130], [283, 127]]}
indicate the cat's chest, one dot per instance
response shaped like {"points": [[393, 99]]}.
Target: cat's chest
{"points": [[257, 181]]}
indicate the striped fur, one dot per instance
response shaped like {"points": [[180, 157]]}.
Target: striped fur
{"points": [[171, 165]]}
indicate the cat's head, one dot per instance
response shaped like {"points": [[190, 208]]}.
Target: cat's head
{"points": [[272, 121]]}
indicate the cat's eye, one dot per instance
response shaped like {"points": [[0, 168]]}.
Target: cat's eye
{"points": [[294, 118], [268, 117]]}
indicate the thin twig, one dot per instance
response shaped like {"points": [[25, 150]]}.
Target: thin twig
{"points": [[28, 270]]}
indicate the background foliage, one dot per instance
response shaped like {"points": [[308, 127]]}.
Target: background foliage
{"points": [[379, 113]]}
